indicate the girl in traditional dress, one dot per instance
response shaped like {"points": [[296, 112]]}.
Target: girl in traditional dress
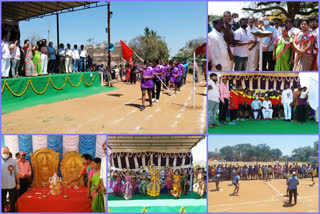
{"points": [[94, 186], [200, 184], [29, 66], [176, 187], [154, 186], [144, 182], [168, 182], [127, 187], [134, 183], [184, 181], [37, 59], [128, 70], [303, 44], [283, 51], [117, 189]]}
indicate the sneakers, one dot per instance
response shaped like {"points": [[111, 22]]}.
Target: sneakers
{"points": [[233, 122], [153, 99], [157, 101], [142, 108]]}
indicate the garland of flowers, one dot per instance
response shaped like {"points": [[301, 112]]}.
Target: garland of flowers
{"points": [[29, 82]]}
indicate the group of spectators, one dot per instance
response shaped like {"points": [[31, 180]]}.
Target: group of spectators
{"points": [[292, 45], [42, 59]]}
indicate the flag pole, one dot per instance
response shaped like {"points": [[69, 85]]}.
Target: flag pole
{"points": [[138, 56], [194, 77]]}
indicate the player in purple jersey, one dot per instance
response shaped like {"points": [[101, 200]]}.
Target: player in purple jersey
{"points": [[157, 72], [147, 75]]}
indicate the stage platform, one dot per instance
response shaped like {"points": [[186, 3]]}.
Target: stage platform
{"points": [[22, 92], [165, 204]]}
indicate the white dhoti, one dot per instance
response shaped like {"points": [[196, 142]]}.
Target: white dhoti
{"points": [[5, 67], [267, 113], [230, 65], [253, 59], [44, 63]]}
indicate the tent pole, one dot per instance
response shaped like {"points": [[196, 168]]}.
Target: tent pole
{"points": [[194, 76]]}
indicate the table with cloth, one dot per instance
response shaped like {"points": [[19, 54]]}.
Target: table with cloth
{"points": [[32, 201]]}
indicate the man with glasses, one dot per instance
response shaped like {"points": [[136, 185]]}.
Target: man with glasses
{"points": [[24, 173]]}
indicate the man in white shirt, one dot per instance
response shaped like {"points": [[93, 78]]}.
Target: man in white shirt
{"points": [[286, 100], [62, 56], [292, 31], [242, 41], [5, 57], [213, 99], [83, 57], [15, 58], [217, 47], [267, 109], [253, 55], [277, 26], [76, 58], [68, 60], [103, 173]]}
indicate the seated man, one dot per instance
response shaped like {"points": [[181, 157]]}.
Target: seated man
{"points": [[256, 107], [267, 109]]}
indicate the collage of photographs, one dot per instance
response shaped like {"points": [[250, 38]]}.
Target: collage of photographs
{"points": [[160, 106]]}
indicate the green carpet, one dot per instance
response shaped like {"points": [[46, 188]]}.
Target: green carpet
{"points": [[166, 204], [191, 195], [266, 127], [82, 85]]}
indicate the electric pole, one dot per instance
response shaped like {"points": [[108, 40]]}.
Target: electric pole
{"points": [[109, 56]]}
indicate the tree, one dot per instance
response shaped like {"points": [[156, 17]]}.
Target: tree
{"points": [[263, 152], [189, 48], [315, 148], [33, 39], [149, 46], [275, 154], [287, 9], [227, 152]]}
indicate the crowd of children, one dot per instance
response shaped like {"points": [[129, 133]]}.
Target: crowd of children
{"points": [[175, 182], [253, 171]]}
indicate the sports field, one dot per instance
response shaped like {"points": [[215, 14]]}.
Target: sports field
{"points": [[115, 112], [261, 196]]}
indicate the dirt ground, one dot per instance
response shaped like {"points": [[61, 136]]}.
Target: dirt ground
{"points": [[115, 112], [262, 196]]}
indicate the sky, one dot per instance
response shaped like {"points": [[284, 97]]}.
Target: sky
{"points": [[199, 152], [286, 143], [177, 22], [217, 8]]}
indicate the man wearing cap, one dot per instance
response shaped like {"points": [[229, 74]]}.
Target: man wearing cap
{"points": [[293, 182], [24, 173], [224, 100], [10, 181]]}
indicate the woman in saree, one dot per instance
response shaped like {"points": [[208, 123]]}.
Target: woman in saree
{"points": [[184, 181], [29, 66], [127, 187], [283, 51], [199, 186], [144, 182], [153, 188], [168, 182], [94, 186], [37, 59], [176, 187], [303, 44]]}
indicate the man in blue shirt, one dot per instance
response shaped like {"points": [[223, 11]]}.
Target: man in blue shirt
{"points": [[293, 182], [10, 180], [256, 105], [267, 46], [52, 58], [235, 182]]}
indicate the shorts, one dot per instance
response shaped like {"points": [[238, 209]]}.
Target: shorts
{"points": [[235, 184], [146, 89]]}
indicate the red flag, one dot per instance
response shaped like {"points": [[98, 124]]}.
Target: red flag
{"points": [[126, 51], [201, 49]]}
